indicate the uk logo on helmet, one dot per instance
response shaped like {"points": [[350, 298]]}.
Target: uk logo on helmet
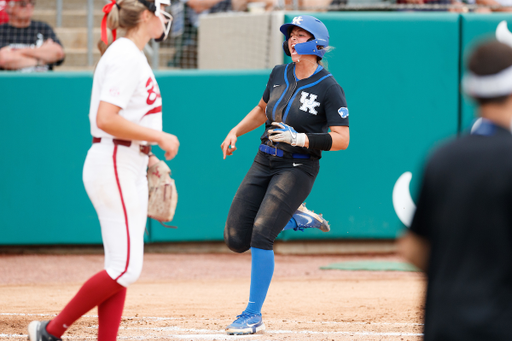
{"points": [[297, 20]]}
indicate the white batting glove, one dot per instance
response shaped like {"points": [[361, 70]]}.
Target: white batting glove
{"points": [[286, 134]]}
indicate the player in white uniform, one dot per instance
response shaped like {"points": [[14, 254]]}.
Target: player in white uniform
{"points": [[125, 117]]}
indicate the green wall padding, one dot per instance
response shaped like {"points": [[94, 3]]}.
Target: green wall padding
{"points": [[400, 76], [45, 130], [400, 73], [45, 133], [201, 108]]}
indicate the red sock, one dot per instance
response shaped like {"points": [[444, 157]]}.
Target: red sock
{"points": [[95, 291], [109, 316]]}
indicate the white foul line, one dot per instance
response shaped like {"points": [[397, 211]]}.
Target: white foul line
{"points": [[207, 334], [217, 319]]}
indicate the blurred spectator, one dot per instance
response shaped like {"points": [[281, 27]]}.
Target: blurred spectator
{"points": [[321, 5], [27, 45], [3, 15], [428, 2], [253, 6], [492, 3]]}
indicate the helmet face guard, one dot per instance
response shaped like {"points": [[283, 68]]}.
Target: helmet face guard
{"points": [[164, 17], [309, 47], [315, 27]]}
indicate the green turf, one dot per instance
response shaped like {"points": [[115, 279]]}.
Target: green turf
{"points": [[368, 265]]}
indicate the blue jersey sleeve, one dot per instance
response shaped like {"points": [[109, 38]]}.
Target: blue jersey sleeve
{"points": [[266, 93], [336, 110]]}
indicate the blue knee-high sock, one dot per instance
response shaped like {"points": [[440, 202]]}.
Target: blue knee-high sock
{"points": [[262, 269], [291, 224]]}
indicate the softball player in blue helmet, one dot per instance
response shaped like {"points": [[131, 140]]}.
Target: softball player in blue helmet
{"points": [[304, 112]]}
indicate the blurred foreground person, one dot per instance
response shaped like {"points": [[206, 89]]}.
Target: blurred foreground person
{"points": [[461, 234]]}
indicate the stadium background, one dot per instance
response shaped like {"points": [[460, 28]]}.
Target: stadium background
{"points": [[400, 72]]}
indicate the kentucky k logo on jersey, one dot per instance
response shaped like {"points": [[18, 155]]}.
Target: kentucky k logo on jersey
{"points": [[309, 104]]}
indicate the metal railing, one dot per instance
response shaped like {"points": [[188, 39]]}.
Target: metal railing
{"points": [[58, 20], [90, 35]]}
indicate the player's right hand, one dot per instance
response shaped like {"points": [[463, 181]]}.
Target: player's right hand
{"points": [[228, 146], [170, 144]]}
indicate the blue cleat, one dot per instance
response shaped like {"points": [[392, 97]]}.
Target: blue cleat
{"points": [[309, 219], [246, 323]]}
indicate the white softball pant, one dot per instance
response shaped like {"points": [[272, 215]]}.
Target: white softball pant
{"points": [[115, 180]]}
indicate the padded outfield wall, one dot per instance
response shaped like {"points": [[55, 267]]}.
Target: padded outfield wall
{"points": [[400, 73]]}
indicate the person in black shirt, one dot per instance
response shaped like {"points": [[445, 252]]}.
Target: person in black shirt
{"points": [[27, 45], [301, 102], [461, 233]]}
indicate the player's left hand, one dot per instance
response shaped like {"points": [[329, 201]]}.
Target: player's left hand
{"points": [[286, 134]]}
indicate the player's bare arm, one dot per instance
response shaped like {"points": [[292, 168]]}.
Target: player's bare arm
{"points": [[340, 137], [201, 5], [109, 121], [13, 59], [255, 118], [414, 249], [49, 52]]}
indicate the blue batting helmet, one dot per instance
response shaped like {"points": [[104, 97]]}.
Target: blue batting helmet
{"points": [[313, 26]]}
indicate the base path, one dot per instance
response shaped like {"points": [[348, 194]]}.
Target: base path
{"points": [[195, 296]]}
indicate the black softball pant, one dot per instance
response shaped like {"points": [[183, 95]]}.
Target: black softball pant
{"points": [[272, 190]]}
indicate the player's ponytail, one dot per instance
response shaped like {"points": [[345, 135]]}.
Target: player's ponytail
{"points": [[321, 61], [125, 14], [113, 16], [128, 14]]}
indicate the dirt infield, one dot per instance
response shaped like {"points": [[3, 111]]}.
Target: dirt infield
{"points": [[194, 296]]}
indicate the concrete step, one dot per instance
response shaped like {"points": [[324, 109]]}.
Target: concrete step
{"points": [[68, 4], [165, 54], [76, 37], [91, 69], [76, 58], [70, 18], [64, 68]]}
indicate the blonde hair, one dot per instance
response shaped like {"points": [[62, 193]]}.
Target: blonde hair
{"points": [[321, 61], [125, 15]]}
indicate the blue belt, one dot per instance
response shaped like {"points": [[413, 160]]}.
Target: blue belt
{"points": [[279, 152]]}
